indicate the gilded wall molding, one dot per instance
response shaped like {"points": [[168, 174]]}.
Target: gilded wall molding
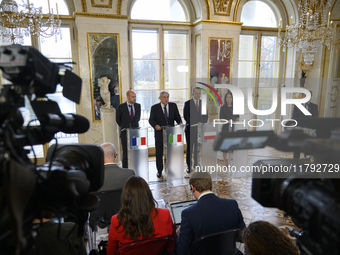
{"points": [[207, 4], [268, 29], [100, 15], [194, 9], [62, 17], [196, 37], [119, 7], [216, 22], [222, 7], [108, 5], [83, 6]]}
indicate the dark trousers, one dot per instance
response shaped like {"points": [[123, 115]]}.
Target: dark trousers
{"points": [[123, 137], [191, 137], [159, 151]]}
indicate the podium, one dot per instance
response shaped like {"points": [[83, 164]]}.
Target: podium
{"points": [[173, 154], [240, 157], [206, 135], [138, 157]]}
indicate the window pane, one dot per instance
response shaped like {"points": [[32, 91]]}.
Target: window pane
{"points": [[179, 97], [175, 44], [176, 73], [258, 14], [145, 74], [167, 10], [246, 69], [269, 49], [147, 98], [269, 70], [60, 49], [145, 43], [247, 47]]}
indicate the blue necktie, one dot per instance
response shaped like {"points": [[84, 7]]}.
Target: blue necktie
{"points": [[166, 114]]}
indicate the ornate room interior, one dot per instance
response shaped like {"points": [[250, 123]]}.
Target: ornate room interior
{"points": [[152, 45]]}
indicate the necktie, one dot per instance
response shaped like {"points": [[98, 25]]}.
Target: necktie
{"points": [[131, 112], [166, 114], [197, 106]]}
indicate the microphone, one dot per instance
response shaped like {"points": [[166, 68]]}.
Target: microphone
{"points": [[67, 123]]}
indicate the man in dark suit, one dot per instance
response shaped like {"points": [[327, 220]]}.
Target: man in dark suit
{"points": [[162, 114], [210, 215], [127, 116], [192, 112], [297, 113], [312, 108], [115, 101], [114, 176]]}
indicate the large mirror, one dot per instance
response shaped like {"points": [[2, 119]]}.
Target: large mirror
{"points": [[221, 56], [104, 59]]}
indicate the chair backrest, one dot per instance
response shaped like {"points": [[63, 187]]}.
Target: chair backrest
{"points": [[109, 205], [153, 246], [221, 243]]}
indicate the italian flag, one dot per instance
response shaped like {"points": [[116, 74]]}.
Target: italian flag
{"points": [[175, 138]]}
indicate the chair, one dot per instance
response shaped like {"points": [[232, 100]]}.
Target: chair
{"points": [[109, 205], [221, 243], [153, 246]]}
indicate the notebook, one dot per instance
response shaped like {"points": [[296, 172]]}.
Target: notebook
{"points": [[178, 207]]}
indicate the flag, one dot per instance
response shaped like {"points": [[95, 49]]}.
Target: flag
{"points": [[175, 138], [136, 141], [209, 135]]}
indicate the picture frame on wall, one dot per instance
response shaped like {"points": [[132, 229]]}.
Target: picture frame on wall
{"points": [[104, 63], [220, 66]]}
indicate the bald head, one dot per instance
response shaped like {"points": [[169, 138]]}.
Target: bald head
{"points": [[109, 152], [131, 96]]}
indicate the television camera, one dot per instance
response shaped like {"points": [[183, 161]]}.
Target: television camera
{"points": [[308, 192], [63, 183]]}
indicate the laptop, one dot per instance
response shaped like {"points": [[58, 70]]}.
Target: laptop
{"points": [[178, 207]]}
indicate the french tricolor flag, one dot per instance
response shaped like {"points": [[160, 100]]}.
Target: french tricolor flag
{"points": [[209, 135], [136, 141]]}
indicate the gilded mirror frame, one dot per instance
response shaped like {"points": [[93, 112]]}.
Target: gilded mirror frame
{"points": [[104, 61], [219, 71]]}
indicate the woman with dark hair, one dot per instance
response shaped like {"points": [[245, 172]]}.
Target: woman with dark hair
{"points": [[138, 219], [263, 238], [226, 112]]}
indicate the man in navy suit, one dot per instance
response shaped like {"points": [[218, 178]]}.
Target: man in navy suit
{"points": [[312, 108], [210, 215], [192, 112], [127, 116], [164, 113]]}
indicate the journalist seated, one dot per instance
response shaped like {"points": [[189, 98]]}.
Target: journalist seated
{"points": [[49, 241], [210, 215], [115, 176], [138, 219], [263, 238]]}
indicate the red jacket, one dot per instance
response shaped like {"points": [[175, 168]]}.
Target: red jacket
{"points": [[162, 224]]}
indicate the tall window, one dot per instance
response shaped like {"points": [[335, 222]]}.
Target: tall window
{"points": [[160, 58], [259, 60]]}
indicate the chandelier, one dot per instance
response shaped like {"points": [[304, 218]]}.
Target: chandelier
{"points": [[224, 50], [313, 29], [15, 25]]}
